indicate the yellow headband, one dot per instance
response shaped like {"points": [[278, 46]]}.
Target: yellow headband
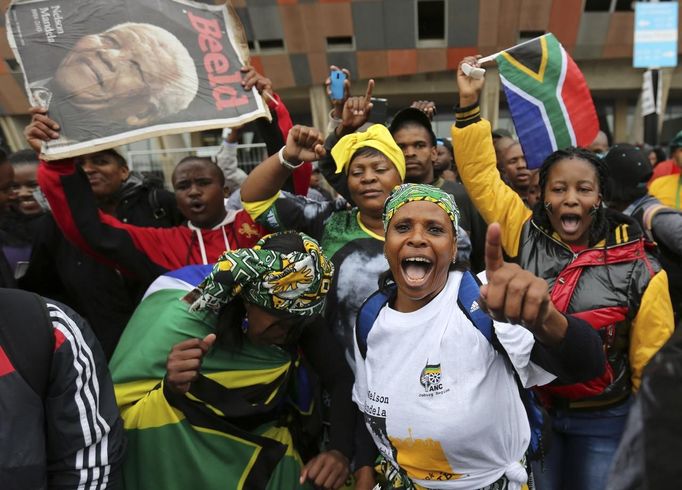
{"points": [[377, 137]]}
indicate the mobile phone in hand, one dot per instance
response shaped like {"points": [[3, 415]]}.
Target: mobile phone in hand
{"points": [[337, 78]]}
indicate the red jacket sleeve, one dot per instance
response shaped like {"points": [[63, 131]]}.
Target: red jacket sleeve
{"points": [[133, 249]]}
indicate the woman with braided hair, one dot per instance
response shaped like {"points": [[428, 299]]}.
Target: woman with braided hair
{"points": [[219, 411], [436, 379], [599, 267]]}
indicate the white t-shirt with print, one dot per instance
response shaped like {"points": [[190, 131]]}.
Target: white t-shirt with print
{"points": [[439, 401]]}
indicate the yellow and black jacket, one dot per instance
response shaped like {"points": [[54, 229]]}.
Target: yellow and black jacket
{"points": [[617, 285]]}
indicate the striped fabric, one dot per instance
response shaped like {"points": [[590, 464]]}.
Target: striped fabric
{"points": [[548, 98], [92, 459]]}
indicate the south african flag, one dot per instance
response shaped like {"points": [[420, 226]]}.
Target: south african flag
{"points": [[548, 98], [220, 434]]}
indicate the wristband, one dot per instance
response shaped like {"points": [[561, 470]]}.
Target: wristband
{"points": [[285, 163]]}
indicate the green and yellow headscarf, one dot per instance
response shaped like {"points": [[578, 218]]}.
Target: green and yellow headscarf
{"points": [[405, 193], [294, 282], [378, 137]]}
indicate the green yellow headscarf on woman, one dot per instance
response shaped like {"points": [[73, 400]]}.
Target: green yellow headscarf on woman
{"points": [[405, 193], [377, 137], [294, 282]]}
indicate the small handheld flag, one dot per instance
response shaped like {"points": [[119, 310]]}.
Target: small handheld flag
{"points": [[549, 100]]}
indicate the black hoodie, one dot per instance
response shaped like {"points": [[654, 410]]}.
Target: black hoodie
{"points": [[60, 270]]}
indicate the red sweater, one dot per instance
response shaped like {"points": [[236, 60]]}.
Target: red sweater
{"points": [[140, 251]]}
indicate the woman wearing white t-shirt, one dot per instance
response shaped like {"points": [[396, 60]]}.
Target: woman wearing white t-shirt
{"points": [[440, 401]]}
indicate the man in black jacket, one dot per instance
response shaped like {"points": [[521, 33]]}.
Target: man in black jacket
{"points": [[60, 427], [60, 270], [128, 195]]}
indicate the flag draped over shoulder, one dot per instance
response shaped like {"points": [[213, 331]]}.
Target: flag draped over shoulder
{"points": [[548, 98], [225, 432]]}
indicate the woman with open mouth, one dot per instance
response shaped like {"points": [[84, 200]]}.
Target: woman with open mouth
{"points": [[599, 266], [436, 378]]}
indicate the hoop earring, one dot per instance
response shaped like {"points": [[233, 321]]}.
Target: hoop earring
{"points": [[548, 207], [595, 209]]}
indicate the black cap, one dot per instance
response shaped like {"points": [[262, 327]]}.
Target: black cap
{"points": [[629, 170], [412, 115]]}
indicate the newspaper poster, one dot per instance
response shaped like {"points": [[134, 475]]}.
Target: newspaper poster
{"points": [[116, 71]]}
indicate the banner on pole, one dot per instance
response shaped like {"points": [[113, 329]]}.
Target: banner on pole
{"points": [[116, 71]]}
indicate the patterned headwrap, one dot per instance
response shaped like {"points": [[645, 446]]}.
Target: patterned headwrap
{"points": [[294, 282], [405, 193], [378, 137]]}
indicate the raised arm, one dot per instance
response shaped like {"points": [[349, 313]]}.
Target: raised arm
{"points": [[266, 180], [353, 114], [476, 163], [135, 250], [277, 211]]}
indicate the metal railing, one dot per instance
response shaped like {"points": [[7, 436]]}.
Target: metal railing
{"points": [[161, 162]]}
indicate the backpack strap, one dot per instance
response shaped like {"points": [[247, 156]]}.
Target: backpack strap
{"points": [[539, 421], [157, 210], [467, 299], [368, 313], [27, 337]]}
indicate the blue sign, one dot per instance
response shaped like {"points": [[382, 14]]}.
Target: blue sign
{"points": [[655, 35]]}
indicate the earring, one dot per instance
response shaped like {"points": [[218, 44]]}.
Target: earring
{"points": [[548, 207], [454, 259], [595, 208], [245, 325]]}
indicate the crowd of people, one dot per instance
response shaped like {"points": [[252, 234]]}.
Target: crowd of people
{"points": [[370, 307]]}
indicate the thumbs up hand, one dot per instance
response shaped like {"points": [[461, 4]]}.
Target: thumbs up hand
{"points": [[517, 296], [184, 362]]}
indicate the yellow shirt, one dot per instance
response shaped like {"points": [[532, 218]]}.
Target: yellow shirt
{"points": [[475, 158], [668, 190]]}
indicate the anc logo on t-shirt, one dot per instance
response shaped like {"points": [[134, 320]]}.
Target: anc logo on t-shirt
{"points": [[430, 378]]}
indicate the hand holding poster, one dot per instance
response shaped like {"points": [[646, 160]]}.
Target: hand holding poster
{"points": [[116, 71]]}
